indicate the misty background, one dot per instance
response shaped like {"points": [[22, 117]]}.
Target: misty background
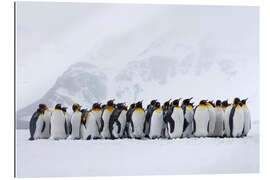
{"points": [[85, 52]]}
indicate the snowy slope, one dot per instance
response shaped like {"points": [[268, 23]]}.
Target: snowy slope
{"points": [[46, 158], [81, 83]]}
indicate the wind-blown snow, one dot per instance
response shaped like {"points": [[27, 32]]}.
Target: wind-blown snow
{"points": [[46, 158]]}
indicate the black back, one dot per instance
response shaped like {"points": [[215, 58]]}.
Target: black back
{"points": [[32, 124], [231, 120]]}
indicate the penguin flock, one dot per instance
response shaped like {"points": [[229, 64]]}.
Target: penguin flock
{"points": [[115, 120]]}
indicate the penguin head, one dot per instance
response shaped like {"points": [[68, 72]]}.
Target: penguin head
{"points": [[153, 102], [236, 101], [76, 107], [191, 104], [167, 103], [96, 106], [186, 101], [132, 106], [225, 103], [120, 105], [42, 106], [203, 102], [218, 102], [64, 109], [244, 101], [110, 102], [157, 105], [83, 111], [103, 106], [139, 104], [58, 107], [176, 102], [211, 102]]}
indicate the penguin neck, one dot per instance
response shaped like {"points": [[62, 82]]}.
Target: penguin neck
{"points": [[96, 109], [76, 110], [58, 109], [110, 108], [202, 105]]}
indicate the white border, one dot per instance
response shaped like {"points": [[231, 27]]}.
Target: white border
{"points": [[7, 82]]}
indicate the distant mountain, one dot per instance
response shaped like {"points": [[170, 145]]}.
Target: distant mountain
{"points": [[166, 68], [81, 83]]}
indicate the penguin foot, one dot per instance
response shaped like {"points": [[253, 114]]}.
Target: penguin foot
{"points": [[88, 137], [31, 139]]}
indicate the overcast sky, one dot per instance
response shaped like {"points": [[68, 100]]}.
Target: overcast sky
{"points": [[52, 36]]}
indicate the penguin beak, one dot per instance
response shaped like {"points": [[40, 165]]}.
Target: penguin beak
{"points": [[190, 98]]}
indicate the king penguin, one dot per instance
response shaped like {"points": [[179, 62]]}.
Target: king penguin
{"points": [[91, 123], [149, 112], [117, 121], [219, 127], [67, 119], [129, 123], [247, 122], [105, 118], [156, 122], [45, 132], [36, 122], [75, 121], [212, 118], [201, 119], [174, 118], [58, 124], [236, 119], [224, 105], [188, 114], [165, 108], [138, 118], [227, 110]]}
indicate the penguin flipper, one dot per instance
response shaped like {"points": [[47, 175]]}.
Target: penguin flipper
{"points": [[101, 125], [132, 126], [32, 125], [119, 126], [208, 127], [43, 126], [172, 124], [231, 121], [66, 130], [185, 124]]}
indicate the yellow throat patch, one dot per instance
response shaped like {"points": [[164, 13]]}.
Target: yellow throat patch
{"points": [[110, 108], [139, 110]]}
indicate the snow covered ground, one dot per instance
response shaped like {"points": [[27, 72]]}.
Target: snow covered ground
{"points": [[46, 158]]}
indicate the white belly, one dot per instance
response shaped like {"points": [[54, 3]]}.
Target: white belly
{"points": [[201, 118], [138, 119], [219, 128], [226, 121], [91, 127], [178, 117], [122, 119], [156, 125], [39, 125], [47, 120], [106, 117], [247, 118], [212, 120], [76, 125], [238, 122], [58, 125], [189, 117]]}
